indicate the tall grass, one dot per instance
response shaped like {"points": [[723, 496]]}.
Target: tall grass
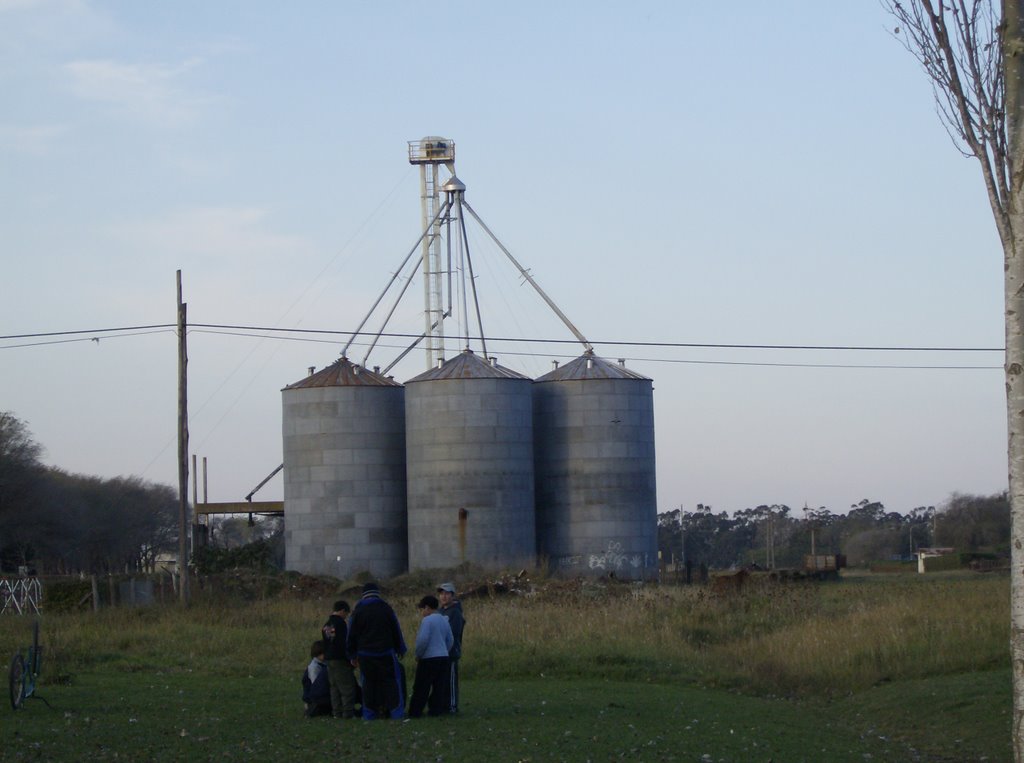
{"points": [[771, 638]]}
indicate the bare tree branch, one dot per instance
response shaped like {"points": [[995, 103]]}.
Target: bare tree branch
{"points": [[958, 46], [974, 58]]}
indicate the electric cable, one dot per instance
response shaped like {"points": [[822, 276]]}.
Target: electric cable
{"points": [[261, 332]]}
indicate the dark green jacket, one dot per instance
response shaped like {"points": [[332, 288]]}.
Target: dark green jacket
{"points": [[458, 622]]}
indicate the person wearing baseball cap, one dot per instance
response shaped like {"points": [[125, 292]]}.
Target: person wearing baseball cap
{"points": [[451, 608]]}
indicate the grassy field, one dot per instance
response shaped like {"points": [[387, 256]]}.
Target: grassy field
{"points": [[179, 716], [895, 668]]}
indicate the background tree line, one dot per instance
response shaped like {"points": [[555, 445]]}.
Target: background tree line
{"points": [[55, 522], [776, 536]]}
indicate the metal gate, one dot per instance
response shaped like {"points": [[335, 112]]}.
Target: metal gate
{"points": [[20, 596]]}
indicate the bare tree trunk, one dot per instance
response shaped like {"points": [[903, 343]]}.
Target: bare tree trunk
{"points": [[1013, 62], [975, 60]]}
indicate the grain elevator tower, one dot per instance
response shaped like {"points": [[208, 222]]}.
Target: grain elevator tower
{"points": [[430, 153]]}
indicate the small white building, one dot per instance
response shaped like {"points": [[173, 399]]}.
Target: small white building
{"points": [[924, 553]]}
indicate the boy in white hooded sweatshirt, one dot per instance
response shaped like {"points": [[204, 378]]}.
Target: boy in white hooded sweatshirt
{"points": [[433, 642]]}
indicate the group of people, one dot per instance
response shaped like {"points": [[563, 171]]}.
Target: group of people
{"points": [[368, 639]]}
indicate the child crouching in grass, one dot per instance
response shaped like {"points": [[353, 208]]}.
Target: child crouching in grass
{"points": [[316, 689]]}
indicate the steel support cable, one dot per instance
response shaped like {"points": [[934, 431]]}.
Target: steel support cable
{"points": [[426, 232], [533, 283], [413, 346], [463, 321], [472, 278], [224, 381], [391, 312], [344, 247], [448, 247], [515, 313]]}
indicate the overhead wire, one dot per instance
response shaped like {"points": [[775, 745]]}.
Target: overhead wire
{"points": [[247, 329], [632, 343], [484, 244], [285, 334], [88, 338], [301, 296], [90, 331]]}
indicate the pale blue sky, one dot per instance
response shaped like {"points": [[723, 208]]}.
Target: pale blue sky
{"points": [[670, 171]]}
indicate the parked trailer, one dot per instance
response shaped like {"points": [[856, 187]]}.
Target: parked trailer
{"points": [[824, 566]]}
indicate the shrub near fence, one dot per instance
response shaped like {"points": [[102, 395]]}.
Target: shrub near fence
{"points": [[890, 567], [66, 595], [944, 563], [75, 594]]}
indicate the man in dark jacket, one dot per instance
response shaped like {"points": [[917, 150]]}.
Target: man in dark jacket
{"points": [[451, 608], [375, 644], [339, 669]]}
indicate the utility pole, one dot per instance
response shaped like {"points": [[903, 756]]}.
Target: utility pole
{"points": [[183, 518], [811, 520], [682, 541]]}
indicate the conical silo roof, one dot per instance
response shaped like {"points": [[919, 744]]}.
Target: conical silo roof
{"points": [[468, 365], [344, 373], [589, 366]]}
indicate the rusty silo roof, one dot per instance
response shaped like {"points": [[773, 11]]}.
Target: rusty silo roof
{"points": [[344, 373], [589, 366], [467, 365]]}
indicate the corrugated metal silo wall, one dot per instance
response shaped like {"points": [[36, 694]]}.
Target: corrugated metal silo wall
{"points": [[470, 472], [595, 472], [344, 480]]}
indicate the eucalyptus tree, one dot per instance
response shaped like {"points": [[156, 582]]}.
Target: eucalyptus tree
{"points": [[973, 54], [19, 460], [974, 523], [20, 470]]}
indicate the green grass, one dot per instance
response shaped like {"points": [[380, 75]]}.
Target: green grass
{"points": [[901, 668], [118, 715]]}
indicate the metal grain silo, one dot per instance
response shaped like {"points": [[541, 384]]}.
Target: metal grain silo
{"points": [[344, 473], [469, 441], [594, 468]]}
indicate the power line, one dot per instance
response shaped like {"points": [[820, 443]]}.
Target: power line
{"points": [[628, 343], [533, 340], [815, 365], [83, 339], [90, 331], [656, 360], [756, 364]]}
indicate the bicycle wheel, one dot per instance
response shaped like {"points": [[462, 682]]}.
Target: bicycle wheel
{"points": [[36, 658], [16, 679]]}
